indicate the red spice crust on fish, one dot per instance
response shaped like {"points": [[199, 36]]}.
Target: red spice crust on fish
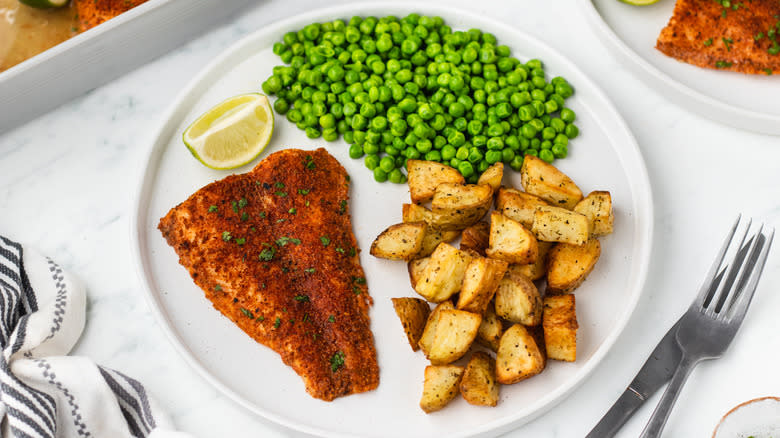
{"points": [[698, 33], [274, 251]]}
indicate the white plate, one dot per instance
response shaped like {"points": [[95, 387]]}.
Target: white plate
{"points": [[743, 101], [605, 156]]}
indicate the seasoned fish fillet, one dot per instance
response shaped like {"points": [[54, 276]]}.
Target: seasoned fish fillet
{"points": [[90, 13], [707, 34], [273, 250]]}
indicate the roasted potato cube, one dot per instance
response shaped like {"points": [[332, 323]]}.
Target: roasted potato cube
{"points": [[492, 176], [416, 267], [457, 206], [518, 205], [490, 330], [455, 332], [555, 224], [413, 313], [399, 241], [426, 340], [560, 327], [597, 207], [478, 385], [510, 241], [518, 356], [433, 238], [443, 275], [440, 387], [479, 283], [545, 181], [537, 269], [415, 213], [425, 176], [518, 300], [476, 237], [568, 265]]}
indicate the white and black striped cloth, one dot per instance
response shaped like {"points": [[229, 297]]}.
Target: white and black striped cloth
{"points": [[44, 393]]}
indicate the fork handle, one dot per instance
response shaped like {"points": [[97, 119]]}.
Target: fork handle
{"points": [[661, 413]]}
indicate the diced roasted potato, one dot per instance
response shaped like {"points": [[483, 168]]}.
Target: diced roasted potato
{"points": [[492, 176], [490, 330], [416, 267], [537, 269], [560, 327], [433, 238], [455, 332], [518, 356], [597, 207], [415, 213], [440, 387], [568, 265], [425, 176], [510, 241], [544, 180], [457, 206], [443, 275], [413, 313], [518, 300], [476, 237], [478, 385], [518, 205], [400, 241], [479, 283], [555, 224], [426, 340]]}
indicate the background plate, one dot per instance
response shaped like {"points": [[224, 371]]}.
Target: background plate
{"points": [[736, 99], [605, 156]]}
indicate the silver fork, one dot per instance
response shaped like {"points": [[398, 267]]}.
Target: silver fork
{"points": [[711, 322]]}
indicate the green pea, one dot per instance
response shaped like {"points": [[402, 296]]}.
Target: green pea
{"points": [[396, 176], [448, 152], [517, 163], [528, 131], [527, 112], [548, 133], [433, 155], [567, 115], [327, 121], [493, 156], [571, 130], [387, 164], [456, 138], [507, 155], [462, 153], [371, 161], [547, 155], [496, 130], [559, 151], [378, 124], [495, 143], [564, 90], [423, 146], [465, 168], [312, 132], [475, 155], [356, 151]]}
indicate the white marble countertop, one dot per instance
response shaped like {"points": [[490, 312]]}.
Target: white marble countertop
{"points": [[67, 180]]}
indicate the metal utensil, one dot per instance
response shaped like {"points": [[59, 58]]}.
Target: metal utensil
{"points": [[713, 319]]}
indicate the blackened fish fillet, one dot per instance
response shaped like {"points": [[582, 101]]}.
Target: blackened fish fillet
{"points": [[273, 250]]}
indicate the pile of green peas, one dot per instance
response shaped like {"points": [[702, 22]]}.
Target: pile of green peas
{"points": [[412, 88]]}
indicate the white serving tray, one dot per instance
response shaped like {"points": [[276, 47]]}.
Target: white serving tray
{"points": [[94, 57]]}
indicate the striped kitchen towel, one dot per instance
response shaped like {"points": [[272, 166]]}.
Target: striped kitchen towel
{"points": [[44, 392]]}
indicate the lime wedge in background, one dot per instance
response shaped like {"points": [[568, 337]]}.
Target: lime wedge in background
{"points": [[232, 133], [44, 4], [639, 2]]}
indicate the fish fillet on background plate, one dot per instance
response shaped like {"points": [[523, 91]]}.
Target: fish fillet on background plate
{"points": [[274, 251], [707, 34]]}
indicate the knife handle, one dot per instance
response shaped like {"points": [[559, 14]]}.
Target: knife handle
{"points": [[618, 414]]}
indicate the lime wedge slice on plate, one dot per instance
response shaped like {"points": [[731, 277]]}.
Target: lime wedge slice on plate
{"points": [[44, 4], [233, 133], [639, 2]]}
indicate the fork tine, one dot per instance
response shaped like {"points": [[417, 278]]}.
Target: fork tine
{"points": [[732, 272], [738, 261], [743, 268], [705, 287], [740, 306]]}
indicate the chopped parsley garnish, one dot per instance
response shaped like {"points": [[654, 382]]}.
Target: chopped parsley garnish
{"points": [[727, 42], [267, 254], [278, 221], [343, 206], [758, 36], [305, 317], [303, 191], [213, 208], [285, 269], [244, 216], [282, 194], [359, 280], [226, 236], [285, 240], [356, 290], [217, 288], [301, 298], [292, 210], [307, 203], [309, 270], [331, 318], [279, 185], [352, 252], [768, 71], [242, 203], [277, 322], [292, 320], [336, 361], [235, 206], [341, 250], [325, 241], [723, 64], [247, 313], [310, 162], [253, 229], [262, 214], [240, 241], [708, 42], [261, 318], [346, 177]]}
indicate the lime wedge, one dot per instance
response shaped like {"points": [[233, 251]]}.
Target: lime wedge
{"points": [[232, 133], [639, 2], [44, 4]]}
